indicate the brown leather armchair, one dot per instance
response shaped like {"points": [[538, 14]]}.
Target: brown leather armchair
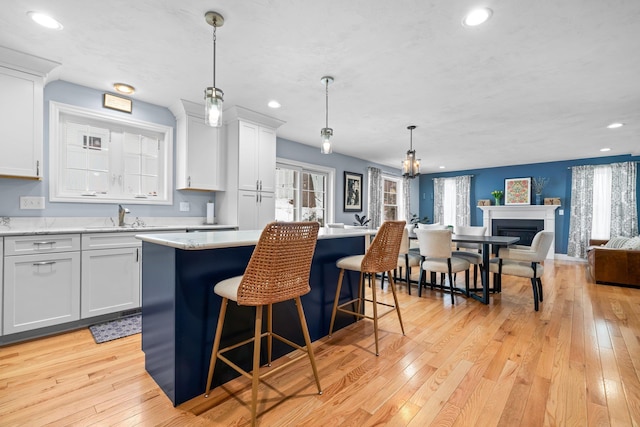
{"points": [[613, 266]]}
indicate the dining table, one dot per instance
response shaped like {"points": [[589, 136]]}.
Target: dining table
{"points": [[486, 242]]}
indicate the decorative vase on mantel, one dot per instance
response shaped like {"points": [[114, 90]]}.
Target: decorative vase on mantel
{"points": [[497, 201], [538, 199]]}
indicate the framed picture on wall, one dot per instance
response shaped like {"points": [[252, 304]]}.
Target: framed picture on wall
{"points": [[517, 191], [352, 192]]}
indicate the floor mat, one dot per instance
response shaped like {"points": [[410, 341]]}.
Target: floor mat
{"points": [[114, 329]]}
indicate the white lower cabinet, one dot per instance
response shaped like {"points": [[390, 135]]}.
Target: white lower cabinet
{"points": [[110, 273], [255, 209], [40, 290]]}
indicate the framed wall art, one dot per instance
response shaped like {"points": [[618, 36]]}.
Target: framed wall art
{"points": [[352, 192], [517, 191]]}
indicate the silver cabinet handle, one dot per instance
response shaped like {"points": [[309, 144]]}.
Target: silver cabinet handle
{"points": [[257, 185], [44, 263], [44, 243]]}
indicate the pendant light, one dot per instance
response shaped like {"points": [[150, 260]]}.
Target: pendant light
{"points": [[326, 132], [213, 95], [411, 165]]}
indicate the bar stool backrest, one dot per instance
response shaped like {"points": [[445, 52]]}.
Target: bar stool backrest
{"points": [[280, 265], [382, 255]]}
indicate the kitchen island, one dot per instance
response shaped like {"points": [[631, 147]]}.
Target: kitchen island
{"points": [[180, 310]]}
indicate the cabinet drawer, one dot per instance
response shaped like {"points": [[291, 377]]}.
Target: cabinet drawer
{"points": [[110, 240], [43, 243]]}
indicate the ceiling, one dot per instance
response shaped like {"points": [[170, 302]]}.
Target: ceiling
{"points": [[537, 82]]}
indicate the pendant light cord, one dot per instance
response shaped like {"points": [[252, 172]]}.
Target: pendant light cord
{"points": [[214, 52], [327, 102]]}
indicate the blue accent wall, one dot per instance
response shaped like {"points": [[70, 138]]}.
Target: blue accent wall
{"points": [[291, 150], [484, 181], [11, 189]]}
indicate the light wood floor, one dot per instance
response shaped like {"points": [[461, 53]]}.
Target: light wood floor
{"points": [[576, 362]]}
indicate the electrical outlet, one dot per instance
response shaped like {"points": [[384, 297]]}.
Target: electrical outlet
{"points": [[560, 211], [27, 202], [184, 206]]}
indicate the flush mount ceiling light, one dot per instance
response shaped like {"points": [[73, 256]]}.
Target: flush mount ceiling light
{"points": [[274, 104], [124, 88], [477, 17], [615, 125], [326, 132], [45, 20], [213, 95], [411, 165]]}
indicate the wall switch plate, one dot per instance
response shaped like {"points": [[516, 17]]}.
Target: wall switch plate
{"points": [[184, 206], [28, 202]]}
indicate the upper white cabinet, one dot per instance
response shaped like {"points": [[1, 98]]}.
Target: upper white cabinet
{"points": [[200, 157], [257, 145], [21, 113]]}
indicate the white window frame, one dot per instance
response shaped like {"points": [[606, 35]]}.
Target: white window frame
{"points": [[117, 125], [399, 197], [331, 179]]}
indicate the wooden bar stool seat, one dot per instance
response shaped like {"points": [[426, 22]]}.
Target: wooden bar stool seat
{"points": [[381, 257], [278, 271]]}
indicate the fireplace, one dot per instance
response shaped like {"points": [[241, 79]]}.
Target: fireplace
{"points": [[545, 214], [523, 228]]}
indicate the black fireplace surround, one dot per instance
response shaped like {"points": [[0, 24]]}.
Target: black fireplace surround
{"points": [[523, 228]]}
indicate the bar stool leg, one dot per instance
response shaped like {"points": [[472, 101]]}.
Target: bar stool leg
{"points": [[375, 312], [307, 342], [255, 374], [392, 285], [270, 333], [335, 301], [360, 305], [216, 345]]}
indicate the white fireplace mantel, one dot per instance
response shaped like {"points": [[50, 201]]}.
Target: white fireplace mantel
{"points": [[543, 212]]}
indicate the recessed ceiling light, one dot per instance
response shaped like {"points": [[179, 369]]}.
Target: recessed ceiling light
{"points": [[615, 125], [124, 88], [605, 149], [477, 17], [441, 167], [274, 104], [45, 20]]}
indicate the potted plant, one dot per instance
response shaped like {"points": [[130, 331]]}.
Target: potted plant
{"points": [[497, 195], [361, 221], [537, 185]]}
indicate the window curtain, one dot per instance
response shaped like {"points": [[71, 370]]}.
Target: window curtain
{"points": [[406, 198], [581, 210], [375, 197], [463, 197], [624, 211], [438, 200]]}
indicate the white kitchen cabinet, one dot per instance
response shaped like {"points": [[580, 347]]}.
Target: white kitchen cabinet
{"points": [[255, 209], [200, 156], [249, 200], [41, 288], [110, 273], [21, 113]]}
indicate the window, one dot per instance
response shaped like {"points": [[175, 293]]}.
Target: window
{"points": [[303, 192], [601, 219], [449, 202], [392, 206], [98, 158]]}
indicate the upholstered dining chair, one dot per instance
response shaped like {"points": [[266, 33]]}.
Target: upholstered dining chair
{"points": [[523, 261], [407, 259], [472, 252], [278, 271], [436, 252], [436, 226], [380, 257]]}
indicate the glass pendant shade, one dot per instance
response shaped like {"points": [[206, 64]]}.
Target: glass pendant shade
{"points": [[213, 106], [326, 134]]}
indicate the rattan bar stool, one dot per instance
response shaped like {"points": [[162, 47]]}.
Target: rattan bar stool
{"points": [[278, 270], [381, 257]]}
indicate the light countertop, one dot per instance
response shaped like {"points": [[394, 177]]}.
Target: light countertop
{"points": [[228, 239]]}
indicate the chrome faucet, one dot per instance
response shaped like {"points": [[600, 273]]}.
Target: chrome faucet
{"points": [[121, 212]]}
